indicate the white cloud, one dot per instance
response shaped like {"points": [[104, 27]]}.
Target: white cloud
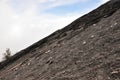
{"points": [[16, 31], [103, 1]]}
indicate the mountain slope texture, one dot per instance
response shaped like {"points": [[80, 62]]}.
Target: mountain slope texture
{"points": [[86, 49]]}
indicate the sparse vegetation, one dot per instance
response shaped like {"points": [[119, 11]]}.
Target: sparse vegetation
{"points": [[7, 54]]}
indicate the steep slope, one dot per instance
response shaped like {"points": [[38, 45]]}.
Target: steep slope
{"points": [[87, 49]]}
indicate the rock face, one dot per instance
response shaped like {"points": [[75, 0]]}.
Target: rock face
{"points": [[87, 49]]}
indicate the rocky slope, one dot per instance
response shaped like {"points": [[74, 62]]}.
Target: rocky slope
{"points": [[86, 49]]}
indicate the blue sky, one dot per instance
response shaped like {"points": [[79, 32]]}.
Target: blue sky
{"points": [[24, 22], [79, 7]]}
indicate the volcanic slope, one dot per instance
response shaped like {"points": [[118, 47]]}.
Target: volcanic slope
{"points": [[86, 49]]}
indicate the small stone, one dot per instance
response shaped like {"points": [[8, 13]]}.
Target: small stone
{"points": [[16, 69], [48, 51], [50, 61], [94, 24], [115, 23], [92, 36], [84, 42], [105, 16], [50, 58], [111, 26], [63, 71], [28, 64]]}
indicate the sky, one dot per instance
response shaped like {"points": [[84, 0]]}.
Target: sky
{"points": [[24, 22]]}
